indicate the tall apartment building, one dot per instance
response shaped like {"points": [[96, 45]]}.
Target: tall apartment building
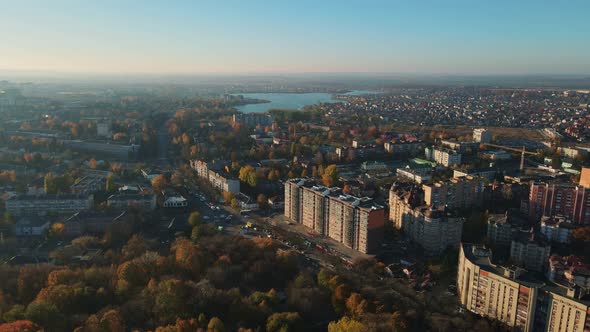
{"points": [[516, 297], [396, 147], [433, 229], [355, 222], [461, 192], [572, 202], [502, 228], [445, 157], [482, 135], [28, 205], [530, 251]]}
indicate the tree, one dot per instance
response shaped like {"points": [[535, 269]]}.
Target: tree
{"points": [[20, 326], [194, 219], [273, 175], [110, 186], [159, 183], [92, 163], [248, 175], [17, 312], [44, 314], [50, 186], [228, 197], [284, 322], [216, 325], [135, 247], [346, 324], [330, 176], [262, 200]]}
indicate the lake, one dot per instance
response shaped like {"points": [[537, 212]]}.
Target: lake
{"points": [[291, 101]]}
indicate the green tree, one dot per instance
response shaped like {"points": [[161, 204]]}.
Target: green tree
{"points": [[17, 312], [49, 184], [110, 185], [284, 322]]}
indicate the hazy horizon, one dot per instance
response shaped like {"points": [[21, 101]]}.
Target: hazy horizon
{"points": [[130, 37]]}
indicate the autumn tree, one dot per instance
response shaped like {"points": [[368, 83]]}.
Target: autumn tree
{"points": [[216, 325], [284, 322], [194, 219], [330, 176], [159, 183], [248, 175], [262, 200], [346, 324]]}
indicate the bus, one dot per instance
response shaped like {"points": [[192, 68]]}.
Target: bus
{"points": [[245, 212]]}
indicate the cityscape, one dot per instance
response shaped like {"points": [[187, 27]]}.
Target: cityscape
{"points": [[286, 167]]}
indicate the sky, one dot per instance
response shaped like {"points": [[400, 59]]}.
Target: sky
{"points": [[302, 36]]}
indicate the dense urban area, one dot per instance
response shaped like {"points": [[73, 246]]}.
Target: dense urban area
{"points": [[393, 207]]}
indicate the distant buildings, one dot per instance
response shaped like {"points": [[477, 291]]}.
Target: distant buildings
{"points": [[88, 185], [402, 147], [31, 226], [530, 251], [482, 135], [253, 119], [570, 201], [355, 222], [118, 151], [27, 205], [445, 157], [412, 175], [520, 299]]}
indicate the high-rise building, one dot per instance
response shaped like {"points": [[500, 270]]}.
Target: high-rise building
{"points": [[443, 156], [518, 298], [482, 135], [356, 222], [461, 192], [530, 250], [433, 229], [572, 202]]}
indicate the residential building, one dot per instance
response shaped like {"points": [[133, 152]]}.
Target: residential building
{"points": [[412, 175], [124, 201], [402, 147], [486, 173], [585, 177], [31, 226], [496, 155], [569, 201], [461, 147], [253, 119], [530, 250], [569, 270], [502, 228], [246, 202], [517, 297], [217, 177], [433, 229], [464, 192], [27, 205], [356, 222], [557, 229], [119, 151], [375, 166], [445, 157], [88, 184], [482, 135]]}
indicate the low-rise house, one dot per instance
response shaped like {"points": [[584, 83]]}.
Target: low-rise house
{"points": [[246, 202], [175, 201]]}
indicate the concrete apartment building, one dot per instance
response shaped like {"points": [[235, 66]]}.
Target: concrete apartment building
{"points": [[530, 251], [570, 201], [463, 192], [482, 135], [516, 297], [27, 205], [502, 228], [355, 222], [433, 229], [213, 172], [404, 147], [88, 184], [445, 157]]}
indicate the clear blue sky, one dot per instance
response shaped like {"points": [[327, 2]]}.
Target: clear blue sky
{"points": [[280, 36]]}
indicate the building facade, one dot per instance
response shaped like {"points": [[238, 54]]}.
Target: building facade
{"points": [[445, 157], [461, 192], [516, 297], [482, 135], [27, 205], [355, 222], [572, 202]]}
